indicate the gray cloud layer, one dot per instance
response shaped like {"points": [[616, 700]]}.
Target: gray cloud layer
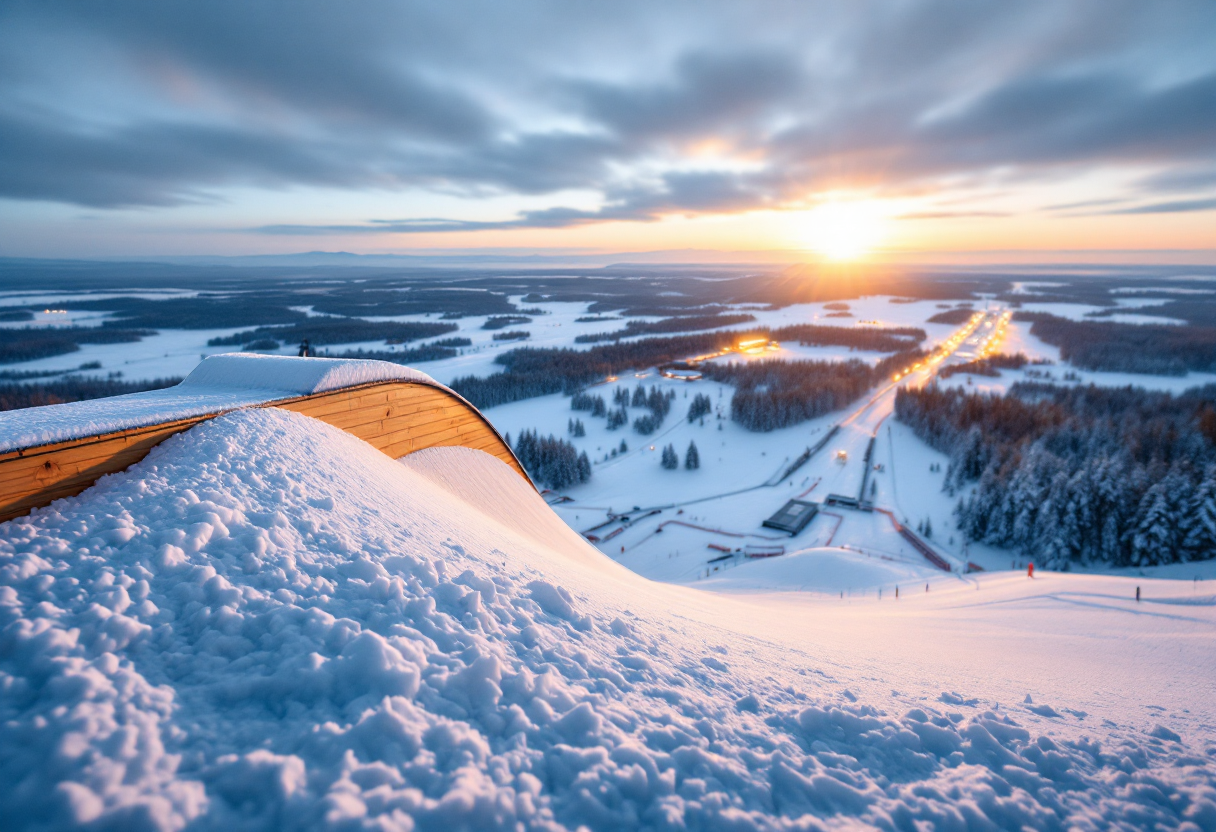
{"points": [[135, 104]]}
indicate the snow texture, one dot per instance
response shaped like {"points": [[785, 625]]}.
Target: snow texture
{"points": [[219, 383], [302, 377], [267, 624]]}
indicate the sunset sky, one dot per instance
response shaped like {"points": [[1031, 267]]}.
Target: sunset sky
{"points": [[839, 130]]}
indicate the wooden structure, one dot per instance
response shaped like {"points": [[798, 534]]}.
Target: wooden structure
{"points": [[397, 417]]}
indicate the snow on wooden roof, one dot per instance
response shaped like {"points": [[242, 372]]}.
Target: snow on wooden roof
{"points": [[219, 383]]}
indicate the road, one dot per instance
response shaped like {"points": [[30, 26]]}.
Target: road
{"points": [[856, 429], [646, 543]]}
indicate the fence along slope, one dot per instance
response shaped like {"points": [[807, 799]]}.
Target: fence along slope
{"points": [[394, 409]]}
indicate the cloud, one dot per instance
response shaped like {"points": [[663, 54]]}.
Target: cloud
{"points": [[124, 104], [1178, 206]]}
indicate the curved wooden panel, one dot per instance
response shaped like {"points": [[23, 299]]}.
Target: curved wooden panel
{"points": [[402, 417], [396, 417]]}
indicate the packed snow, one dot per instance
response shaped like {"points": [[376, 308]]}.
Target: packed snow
{"points": [[268, 624], [284, 373], [218, 384]]}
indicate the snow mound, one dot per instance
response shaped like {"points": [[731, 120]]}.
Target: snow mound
{"points": [[268, 624], [218, 384], [482, 481], [823, 570], [295, 375]]}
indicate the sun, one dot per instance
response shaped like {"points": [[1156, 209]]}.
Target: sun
{"points": [[846, 229]]}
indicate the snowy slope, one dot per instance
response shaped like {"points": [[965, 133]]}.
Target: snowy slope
{"points": [[268, 624]]}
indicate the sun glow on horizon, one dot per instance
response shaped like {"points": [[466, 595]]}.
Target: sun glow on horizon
{"points": [[846, 229]]}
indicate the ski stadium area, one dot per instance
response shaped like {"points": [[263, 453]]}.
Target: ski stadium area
{"points": [[276, 620]]}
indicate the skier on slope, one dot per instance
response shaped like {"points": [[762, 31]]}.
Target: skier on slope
{"points": [[305, 349]]}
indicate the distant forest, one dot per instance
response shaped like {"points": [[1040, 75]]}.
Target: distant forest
{"points": [[1157, 349], [954, 317], [1078, 475], [690, 323], [322, 331], [990, 366], [776, 394], [30, 343], [530, 372], [73, 389]]}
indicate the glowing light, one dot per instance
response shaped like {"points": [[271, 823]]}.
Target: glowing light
{"points": [[847, 229]]}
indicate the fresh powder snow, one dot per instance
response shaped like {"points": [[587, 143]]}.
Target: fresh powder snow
{"points": [[268, 624]]}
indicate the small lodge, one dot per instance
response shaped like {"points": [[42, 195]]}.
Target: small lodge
{"points": [[793, 517], [681, 371]]}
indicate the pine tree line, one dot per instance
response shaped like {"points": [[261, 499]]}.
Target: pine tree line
{"points": [[551, 461], [775, 394], [1159, 349], [989, 366], [659, 405], [530, 371], [73, 389], [585, 401], [701, 405], [1078, 475]]}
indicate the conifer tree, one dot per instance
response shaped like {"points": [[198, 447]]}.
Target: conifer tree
{"points": [[669, 459], [692, 459], [1152, 540], [1200, 541]]}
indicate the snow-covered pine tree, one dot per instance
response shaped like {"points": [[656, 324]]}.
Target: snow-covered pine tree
{"points": [[692, 459], [1152, 542], [669, 459], [1200, 542]]}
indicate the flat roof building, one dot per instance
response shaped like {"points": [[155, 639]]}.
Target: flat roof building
{"points": [[793, 516]]}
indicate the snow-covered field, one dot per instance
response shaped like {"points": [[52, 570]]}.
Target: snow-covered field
{"points": [[724, 502], [267, 624]]}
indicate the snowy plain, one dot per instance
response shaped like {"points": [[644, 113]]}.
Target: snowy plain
{"points": [[674, 545], [267, 624]]}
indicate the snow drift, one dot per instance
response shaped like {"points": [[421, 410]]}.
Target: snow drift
{"points": [[267, 624]]}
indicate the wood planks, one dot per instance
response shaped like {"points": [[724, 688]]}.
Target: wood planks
{"points": [[396, 417], [400, 418]]}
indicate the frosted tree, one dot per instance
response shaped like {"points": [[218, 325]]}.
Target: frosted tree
{"points": [[1200, 542], [1152, 541], [670, 459], [692, 459]]}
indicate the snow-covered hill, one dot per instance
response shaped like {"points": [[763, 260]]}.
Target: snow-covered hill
{"points": [[267, 624]]}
